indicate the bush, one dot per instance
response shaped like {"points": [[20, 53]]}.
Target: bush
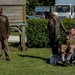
{"points": [[68, 22], [37, 33]]}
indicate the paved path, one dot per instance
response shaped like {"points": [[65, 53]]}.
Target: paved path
{"points": [[14, 39]]}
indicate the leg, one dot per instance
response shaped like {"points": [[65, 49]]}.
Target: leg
{"points": [[0, 50], [55, 47], [72, 47], [63, 49], [6, 49], [62, 60]]}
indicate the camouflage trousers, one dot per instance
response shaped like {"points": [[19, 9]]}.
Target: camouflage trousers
{"points": [[4, 45], [70, 48]]}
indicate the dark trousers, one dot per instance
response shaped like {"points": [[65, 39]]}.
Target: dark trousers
{"points": [[54, 45]]}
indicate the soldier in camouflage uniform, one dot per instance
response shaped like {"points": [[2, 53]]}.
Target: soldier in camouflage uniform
{"points": [[68, 45], [54, 27], [4, 35]]}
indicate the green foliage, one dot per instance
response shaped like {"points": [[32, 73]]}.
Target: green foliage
{"points": [[15, 33], [68, 22], [37, 33], [30, 4]]}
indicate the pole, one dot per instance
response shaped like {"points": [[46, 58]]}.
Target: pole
{"points": [[23, 38]]}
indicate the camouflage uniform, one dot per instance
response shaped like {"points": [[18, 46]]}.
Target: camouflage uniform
{"points": [[54, 28], [4, 27], [69, 45], [4, 35]]}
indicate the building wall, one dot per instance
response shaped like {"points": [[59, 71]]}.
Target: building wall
{"points": [[14, 9], [65, 2], [12, 2]]}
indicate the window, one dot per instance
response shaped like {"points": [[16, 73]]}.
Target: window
{"points": [[63, 8]]}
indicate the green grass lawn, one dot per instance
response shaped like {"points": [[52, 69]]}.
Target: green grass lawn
{"points": [[32, 62], [14, 33]]}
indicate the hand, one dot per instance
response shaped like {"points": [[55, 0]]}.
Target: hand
{"points": [[51, 22], [67, 37]]}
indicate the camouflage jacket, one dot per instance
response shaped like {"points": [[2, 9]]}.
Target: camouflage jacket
{"points": [[71, 40], [4, 27], [55, 28]]}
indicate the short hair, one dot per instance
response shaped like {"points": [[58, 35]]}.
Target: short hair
{"points": [[55, 13]]}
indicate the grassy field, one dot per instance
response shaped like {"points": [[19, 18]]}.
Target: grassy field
{"points": [[14, 33], [32, 62]]}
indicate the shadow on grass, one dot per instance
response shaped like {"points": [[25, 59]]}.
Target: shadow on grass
{"points": [[14, 44], [45, 59]]}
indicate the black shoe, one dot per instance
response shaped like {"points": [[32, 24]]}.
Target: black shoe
{"points": [[64, 63], [68, 63], [59, 62]]}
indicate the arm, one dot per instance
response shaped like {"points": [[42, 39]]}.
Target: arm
{"points": [[49, 24], [8, 27], [63, 28], [67, 37]]}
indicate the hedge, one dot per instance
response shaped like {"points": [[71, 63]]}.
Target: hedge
{"points": [[37, 33], [68, 22]]}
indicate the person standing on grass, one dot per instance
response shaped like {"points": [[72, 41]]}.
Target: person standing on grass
{"points": [[4, 35], [54, 27]]}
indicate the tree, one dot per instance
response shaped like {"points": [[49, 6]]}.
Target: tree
{"points": [[32, 3], [47, 2]]}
